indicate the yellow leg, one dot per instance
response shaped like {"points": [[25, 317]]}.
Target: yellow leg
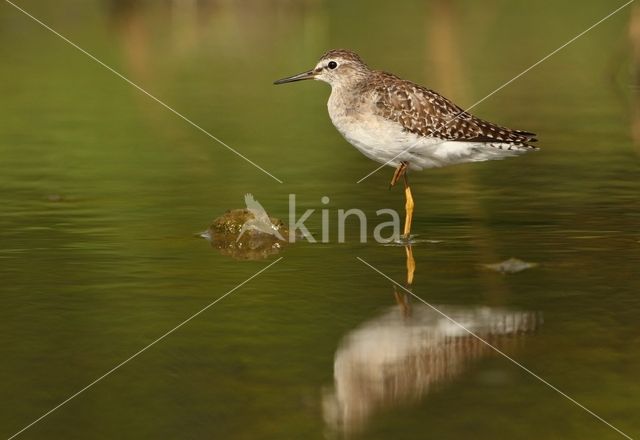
{"points": [[411, 265], [408, 207], [403, 298], [398, 173]]}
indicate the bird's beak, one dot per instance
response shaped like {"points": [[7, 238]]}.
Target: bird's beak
{"points": [[299, 77]]}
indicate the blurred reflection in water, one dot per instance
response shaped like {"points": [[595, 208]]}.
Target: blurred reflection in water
{"points": [[399, 356], [185, 25], [634, 40], [395, 359]]}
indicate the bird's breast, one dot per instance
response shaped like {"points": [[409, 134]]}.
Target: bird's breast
{"points": [[374, 136], [349, 114]]}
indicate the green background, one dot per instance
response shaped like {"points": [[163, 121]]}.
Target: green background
{"points": [[103, 189]]}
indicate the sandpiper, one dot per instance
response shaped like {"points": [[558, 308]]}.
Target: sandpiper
{"points": [[404, 125]]}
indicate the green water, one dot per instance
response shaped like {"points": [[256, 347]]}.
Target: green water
{"points": [[103, 189]]}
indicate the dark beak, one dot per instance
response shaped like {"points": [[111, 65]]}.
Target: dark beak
{"points": [[299, 77]]}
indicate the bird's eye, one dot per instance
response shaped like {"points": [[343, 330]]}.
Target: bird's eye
{"points": [[332, 65]]}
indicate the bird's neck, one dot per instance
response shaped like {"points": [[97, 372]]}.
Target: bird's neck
{"points": [[344, 101], [348, 89]]}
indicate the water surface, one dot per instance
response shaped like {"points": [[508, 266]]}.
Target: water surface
{"points": [[103, 189]]}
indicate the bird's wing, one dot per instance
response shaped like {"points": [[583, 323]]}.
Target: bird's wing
{"points": [[427, 113], [256, 208]]}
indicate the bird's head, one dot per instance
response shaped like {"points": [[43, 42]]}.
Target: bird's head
{"points": [[337, 67]]}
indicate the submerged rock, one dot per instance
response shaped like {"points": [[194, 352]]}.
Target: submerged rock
{"points": [[239, 234], [512, 265]]}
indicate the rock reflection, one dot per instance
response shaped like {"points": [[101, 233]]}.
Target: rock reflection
{"points": [[400, 356]]}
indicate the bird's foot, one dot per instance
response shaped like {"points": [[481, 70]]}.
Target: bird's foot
{"points": [[405, 239]]}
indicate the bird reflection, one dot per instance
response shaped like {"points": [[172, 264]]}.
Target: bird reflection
{"points": [[400, 356]]}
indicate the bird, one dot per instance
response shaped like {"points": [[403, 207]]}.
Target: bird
{"points": [[401, 124], [260, 221]]}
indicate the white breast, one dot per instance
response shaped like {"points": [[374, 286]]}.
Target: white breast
{"points": [[374, 136]]}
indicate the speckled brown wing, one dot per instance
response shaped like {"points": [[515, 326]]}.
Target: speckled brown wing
{"points": [[427, 113]]}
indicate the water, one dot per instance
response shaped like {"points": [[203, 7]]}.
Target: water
{"points": [[103, 190]]}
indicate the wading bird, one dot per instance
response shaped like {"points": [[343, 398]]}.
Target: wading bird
{"points": [[404, 125]]}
